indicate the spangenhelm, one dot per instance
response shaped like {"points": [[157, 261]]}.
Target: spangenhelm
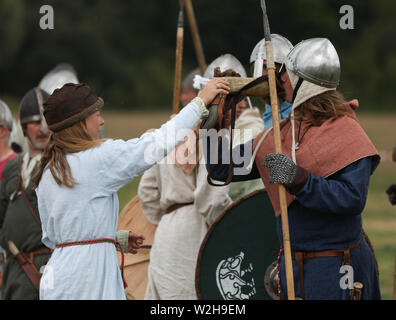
{"points": [[225, 62], [6, 119], [31, 107], [281, 47], [316, 61], [56, 78]]}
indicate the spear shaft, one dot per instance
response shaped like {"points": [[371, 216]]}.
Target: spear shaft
{"points": [[195, 35], [278, 149], [179, 58]]}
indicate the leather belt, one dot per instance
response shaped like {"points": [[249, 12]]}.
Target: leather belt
{"points": [[26, 261], [95, 241], [177, 206], [300, 256], [40, 252]]}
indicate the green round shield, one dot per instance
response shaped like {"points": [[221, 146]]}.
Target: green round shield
{"points": [[237, 258]]}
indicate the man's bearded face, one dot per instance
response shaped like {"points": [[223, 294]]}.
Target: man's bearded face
{"points": [[36, 136]]}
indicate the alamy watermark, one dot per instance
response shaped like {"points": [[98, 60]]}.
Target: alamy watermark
{"points": [[347, 21], [47, 21], [347, 280]]}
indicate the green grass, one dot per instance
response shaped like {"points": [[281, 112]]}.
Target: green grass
{"points": [[379, 217], [379, 220], [128, 192]]}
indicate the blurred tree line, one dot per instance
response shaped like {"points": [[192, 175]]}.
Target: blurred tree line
{"points": [[126, 49]]}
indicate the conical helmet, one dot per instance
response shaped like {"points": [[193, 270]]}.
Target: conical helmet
{"points": [[281, 47], [225, 62], [6, 118], [56, 78], [31, 107], [316, 61]]}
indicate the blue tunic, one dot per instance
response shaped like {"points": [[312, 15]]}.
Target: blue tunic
{"points": [[284, 111], [326, 215]]}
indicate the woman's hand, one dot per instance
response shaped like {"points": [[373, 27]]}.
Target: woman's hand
{"points": [[134, 242], [213, 88]]}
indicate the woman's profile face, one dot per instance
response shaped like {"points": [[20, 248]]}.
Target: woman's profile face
{"points": [[94, 123]]}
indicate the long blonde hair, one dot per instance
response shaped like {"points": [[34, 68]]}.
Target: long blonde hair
{"points": [[70, 140]]}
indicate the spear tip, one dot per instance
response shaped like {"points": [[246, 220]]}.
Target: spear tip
{"points": [[267, 32], [263, 6]]}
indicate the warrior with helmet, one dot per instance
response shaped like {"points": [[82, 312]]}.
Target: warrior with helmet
{"points": [[325, 166], [249, 119], [19, 217]]}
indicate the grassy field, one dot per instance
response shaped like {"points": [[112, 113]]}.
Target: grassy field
{"points": [[379, 216]]}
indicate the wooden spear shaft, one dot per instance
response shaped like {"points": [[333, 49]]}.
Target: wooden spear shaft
{"points": [[179, 59], [195, 35], [278, 149]]}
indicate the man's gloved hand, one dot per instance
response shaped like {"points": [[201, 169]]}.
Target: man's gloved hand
{"points": [[284, 171], [282, 168], [391, 191]]}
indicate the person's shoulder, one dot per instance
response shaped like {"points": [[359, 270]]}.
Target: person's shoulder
{"points": [[11, 168], [13, 164], [108, 144]]}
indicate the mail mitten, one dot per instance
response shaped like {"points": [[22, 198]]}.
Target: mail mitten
{"points": [[284, 171]]}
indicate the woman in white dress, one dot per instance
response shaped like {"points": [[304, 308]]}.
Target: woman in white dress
{"points": [[77, 183]]}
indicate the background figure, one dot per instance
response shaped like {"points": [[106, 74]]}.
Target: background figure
{"points": [[258, 66], [391, 191], [6, 153], [179, 200], [6, 127], [19, 217], [188, 92], [176, 196]]}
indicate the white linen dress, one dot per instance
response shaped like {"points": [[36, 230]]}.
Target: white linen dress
{"points": [[90, 210]]}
